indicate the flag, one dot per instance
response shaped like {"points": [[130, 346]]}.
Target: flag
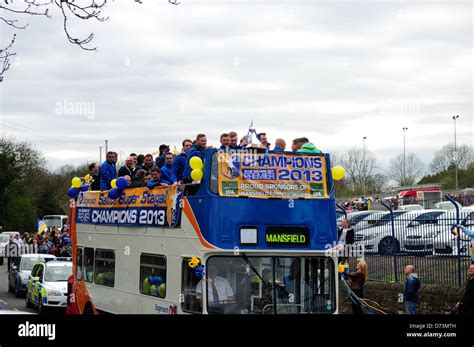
{"points": [[40, 226]]}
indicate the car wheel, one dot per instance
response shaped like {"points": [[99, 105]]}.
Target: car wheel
{"points": [[10, 288], [388, 247], [27, 301], [17, 290], [40, 305]]}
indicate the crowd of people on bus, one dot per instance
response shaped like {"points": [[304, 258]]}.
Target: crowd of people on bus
{"points": [[167, 168]]}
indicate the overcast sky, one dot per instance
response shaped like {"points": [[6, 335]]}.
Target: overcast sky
{"points": [[333, 71]]}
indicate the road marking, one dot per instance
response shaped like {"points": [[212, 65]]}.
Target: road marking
{"points": [[3, 302], [15, 309]]}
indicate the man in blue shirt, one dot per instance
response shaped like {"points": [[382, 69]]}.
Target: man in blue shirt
{"points": [[410, 294], [225, 142], [195, 151], [180, 159], [155, 178], [167, 173], [108, 172], [280, 145]]}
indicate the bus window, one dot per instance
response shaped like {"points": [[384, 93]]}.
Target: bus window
{"points": [[79, 264], [191, 302], [153, 275], [238, 285], [104, 271], [89, 264]]}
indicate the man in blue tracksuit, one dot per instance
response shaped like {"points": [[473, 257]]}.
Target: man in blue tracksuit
{"points": [[410, 294], [195, 151], [108, 172], [180, 160], [167, 173]]}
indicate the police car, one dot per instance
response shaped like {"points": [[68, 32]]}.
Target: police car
{"points": [[47, 284]]}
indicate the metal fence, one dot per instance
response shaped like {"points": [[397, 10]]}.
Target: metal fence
{"points": [[424, 239]]}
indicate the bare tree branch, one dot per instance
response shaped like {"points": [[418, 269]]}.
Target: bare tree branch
{"points": [[5, 57]]}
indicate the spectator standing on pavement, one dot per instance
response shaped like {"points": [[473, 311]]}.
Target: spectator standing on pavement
{"points": [[410, 293]]}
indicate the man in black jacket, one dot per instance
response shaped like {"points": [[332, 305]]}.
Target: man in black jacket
{"points": [[345, 236], [95, 174], [127, 169], [139, 180]]}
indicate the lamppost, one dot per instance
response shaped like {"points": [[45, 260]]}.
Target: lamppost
{"points": [[404, 158], [363, 163], [455, 153]]}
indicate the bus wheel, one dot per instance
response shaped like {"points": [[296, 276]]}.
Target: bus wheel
{"points": [[88, 309], [388, 247]]}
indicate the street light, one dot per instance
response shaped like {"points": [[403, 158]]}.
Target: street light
{"points": [[455, 153], [404, 158], [363, 162]]}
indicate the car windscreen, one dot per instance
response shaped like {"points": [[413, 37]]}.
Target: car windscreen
{"points": [[27, 263], [58, 273]]}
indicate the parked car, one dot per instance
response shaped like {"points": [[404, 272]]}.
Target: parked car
{"points": [[413, 207], [445, 243], [379, 239], [378, 219], [419, 240], [20, 271], [355, 218], [47, 284], [446, 205], [4, 240]]}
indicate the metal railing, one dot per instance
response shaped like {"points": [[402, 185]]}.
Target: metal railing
{"points": [[425, 239]]}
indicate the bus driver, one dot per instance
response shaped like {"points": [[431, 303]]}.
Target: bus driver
{"points": [[219, 290]]}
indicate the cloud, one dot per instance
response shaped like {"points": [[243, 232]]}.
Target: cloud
{"points": [[332, 72]]}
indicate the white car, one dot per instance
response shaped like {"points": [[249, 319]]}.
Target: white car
{"points": [[413, 207], [447, 244], [446, 205], [419, 240], [379, 238], [47, 286]]}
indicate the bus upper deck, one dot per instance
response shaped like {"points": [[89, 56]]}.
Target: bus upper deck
{"points": [[248, 200]]}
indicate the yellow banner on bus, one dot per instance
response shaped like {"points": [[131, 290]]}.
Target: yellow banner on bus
{"points": [[267, 175]]}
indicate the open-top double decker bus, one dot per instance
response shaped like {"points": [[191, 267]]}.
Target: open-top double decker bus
{"points": [[251, 238]]}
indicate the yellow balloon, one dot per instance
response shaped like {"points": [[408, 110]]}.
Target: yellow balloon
{"points": [[195, 163], [113, 183], [76, 182], [197, 174], [338, 173]]}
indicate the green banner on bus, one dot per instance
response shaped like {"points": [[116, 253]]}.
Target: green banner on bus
{"points": [[272, 175]]}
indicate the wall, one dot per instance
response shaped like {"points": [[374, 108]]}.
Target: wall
{"points": [[433, 299]]}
